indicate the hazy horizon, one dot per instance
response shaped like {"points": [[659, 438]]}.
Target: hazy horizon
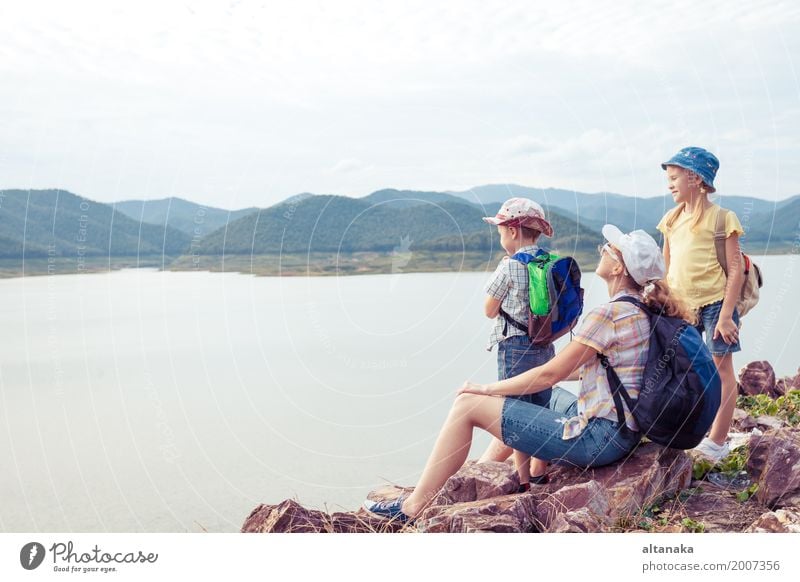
{"points": [[223, 206]]}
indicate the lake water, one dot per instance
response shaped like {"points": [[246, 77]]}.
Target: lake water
{"points": [[148, 401]]}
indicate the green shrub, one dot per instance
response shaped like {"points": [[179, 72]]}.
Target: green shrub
{"points": [[692, 526], [786, 407]]}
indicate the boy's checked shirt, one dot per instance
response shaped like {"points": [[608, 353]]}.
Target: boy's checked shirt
{"points": [[509, 283]]}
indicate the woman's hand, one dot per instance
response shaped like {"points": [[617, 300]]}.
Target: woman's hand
{"points": [[727, 330], [473, 388]]}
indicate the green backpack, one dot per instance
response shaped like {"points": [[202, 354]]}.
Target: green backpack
{"points": [[555, 296]]}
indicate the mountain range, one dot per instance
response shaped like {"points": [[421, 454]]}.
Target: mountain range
{"points": [[188, 217], [57, 223], [763, 220]]}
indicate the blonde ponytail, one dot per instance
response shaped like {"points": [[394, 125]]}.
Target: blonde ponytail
{"points": [[659, 297]]}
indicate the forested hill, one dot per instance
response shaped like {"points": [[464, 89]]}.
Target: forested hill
{"points": [[184, 215], [339, 224], [57, 223]]}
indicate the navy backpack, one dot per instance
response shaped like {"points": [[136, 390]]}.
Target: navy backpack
{"points": [[556, 297], [681, 388]]}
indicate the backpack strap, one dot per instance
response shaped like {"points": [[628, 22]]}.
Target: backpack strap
{"points": [[632, 300], [719, 240], [508, 319], [523, 258], [618, 391]]}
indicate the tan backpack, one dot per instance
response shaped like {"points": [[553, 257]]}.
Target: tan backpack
{"points": [[752, 273]]}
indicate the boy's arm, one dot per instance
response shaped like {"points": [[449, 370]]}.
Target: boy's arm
{"points": [[496, 289], [666, 253], [491, 307]]}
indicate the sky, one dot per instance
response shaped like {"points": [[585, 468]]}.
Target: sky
{"points": [[246, 103]]}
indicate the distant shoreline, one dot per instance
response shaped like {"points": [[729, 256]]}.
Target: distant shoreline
{"points": [[287, 265]]}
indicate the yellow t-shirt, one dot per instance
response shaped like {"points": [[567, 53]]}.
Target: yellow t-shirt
{"points": [[693, 267]]}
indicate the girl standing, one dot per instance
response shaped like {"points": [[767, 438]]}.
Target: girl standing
{"points": [[694, 271]]}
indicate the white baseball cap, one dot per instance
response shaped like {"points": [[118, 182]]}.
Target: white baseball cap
{"points": [[521, 212], [643, 258]]}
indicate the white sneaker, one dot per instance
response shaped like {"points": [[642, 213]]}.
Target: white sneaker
{"points": [[710, 450]]}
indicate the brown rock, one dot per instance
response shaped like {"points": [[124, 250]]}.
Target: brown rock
{"points": [[477, 499], [476, 481], [743, 421], [766, 422], [775, 463], [559, 509], [757, 378], [389, 492], [652, 471], [579, 521], [790, 382], [783, 385], [286, 517], [362, 521], [506, 514], [291, 517], [779, 521], [719, 511]]}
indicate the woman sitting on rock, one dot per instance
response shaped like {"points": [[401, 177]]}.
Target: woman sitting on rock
{"points": [[581, 431]]}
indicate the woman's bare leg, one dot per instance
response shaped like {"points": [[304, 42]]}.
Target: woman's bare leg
{"points": [[452, 446]]}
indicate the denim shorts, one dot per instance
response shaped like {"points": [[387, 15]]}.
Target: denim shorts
{"points": [[708, 316], [538, 432], [516, 355]]}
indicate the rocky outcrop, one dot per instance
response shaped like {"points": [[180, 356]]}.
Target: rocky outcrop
{"points": [[477, 481], [742, 421], [779, 521], [774, 464], [757, 378], [650, 490], [783, 385], [506, 514], [291, 517], [717, 510], [479, 498], [611, 494]]}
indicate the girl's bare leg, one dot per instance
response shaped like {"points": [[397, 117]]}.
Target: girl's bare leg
{"points": [[538, 467], [522, 461], [496, 451], [722, 422], [499, 451]]}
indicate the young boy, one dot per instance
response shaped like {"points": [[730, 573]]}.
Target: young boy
{"points": [[520, 222]]}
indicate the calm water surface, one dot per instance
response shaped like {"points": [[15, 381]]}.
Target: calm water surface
{"points": [[148, 401]]}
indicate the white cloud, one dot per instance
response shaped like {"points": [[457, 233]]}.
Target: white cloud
{"points": [[526, 145], [113, 100], [349, 165]]}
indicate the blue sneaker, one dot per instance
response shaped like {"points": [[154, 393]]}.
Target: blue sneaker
{"points": [[389, 509]]}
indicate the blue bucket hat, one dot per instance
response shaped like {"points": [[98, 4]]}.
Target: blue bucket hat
{"points": [[701, 162]]}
